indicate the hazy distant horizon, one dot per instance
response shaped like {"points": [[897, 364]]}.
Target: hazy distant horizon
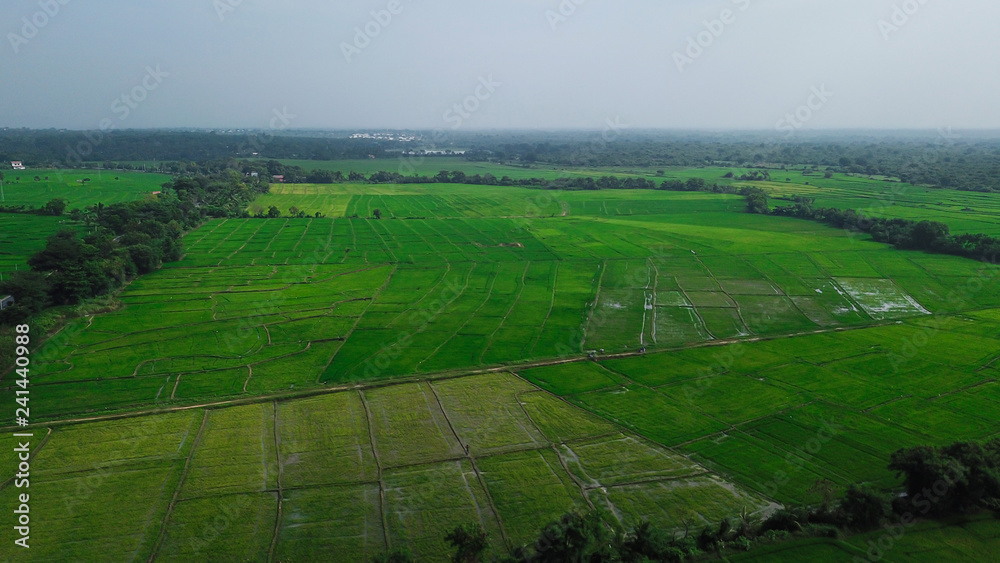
{"points": [[980, 133], [555, 65]]}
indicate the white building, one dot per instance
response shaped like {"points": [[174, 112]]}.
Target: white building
{"points": [[16, 165]]}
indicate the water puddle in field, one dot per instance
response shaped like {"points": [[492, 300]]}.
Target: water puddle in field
{"points": [[881, 298]]}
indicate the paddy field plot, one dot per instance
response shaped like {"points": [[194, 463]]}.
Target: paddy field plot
{"points": [[964, 212], [881, 298], [335, 472]]}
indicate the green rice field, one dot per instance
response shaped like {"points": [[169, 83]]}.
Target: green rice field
{"points": [[102, 186], [341, 472], [294, 387]]}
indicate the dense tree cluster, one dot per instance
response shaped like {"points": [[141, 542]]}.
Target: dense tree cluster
{"points": [[940, 481], [54, 208], [70, 149]]}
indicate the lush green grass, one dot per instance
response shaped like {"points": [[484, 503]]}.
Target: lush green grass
{"points": [[975, 538], [779, 415], [21, 236], [409, 426], [877, 197], [104, 186], [577, 377]]}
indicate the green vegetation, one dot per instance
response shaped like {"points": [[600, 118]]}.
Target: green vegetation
{"points": [[301, 477], [23, 235], [655, 356], [79, 189], [901, 233], [127, 239], [257, 306]]}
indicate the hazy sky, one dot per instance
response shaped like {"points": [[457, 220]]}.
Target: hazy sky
{"points": [[549, 63]]}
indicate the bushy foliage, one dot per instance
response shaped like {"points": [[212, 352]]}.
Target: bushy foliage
{"points": [[125, 240], [943, 480]]}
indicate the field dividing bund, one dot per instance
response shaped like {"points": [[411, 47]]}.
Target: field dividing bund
{"points": [[501, 452]]}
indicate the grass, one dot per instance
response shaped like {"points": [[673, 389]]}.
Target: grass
{"points": [[325, 441], [488, 426], [959, 539], [579, 377], [340, 519], [529, 487], [103, 186], [235, 454], [22, 236], [424, 503], [779, 415], [409, 426]]}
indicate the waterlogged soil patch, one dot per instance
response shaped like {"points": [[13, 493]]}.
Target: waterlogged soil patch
{"points": [[881, 298]]}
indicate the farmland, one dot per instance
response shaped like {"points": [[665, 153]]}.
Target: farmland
{"points": [[267, 305], [22, 235], [779, 415], [964, 212], [340, 472], [102, 186], [375, 382]]}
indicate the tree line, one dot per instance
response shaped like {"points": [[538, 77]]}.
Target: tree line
{"points": [[296, 175], [121, 241], [904, 234], [71, 149], [970, 161]]}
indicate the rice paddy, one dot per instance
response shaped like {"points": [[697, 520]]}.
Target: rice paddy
{"points": [[325, 362]]}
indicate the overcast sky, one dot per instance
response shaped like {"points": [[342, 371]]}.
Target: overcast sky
{"points": [[548, 63]]}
